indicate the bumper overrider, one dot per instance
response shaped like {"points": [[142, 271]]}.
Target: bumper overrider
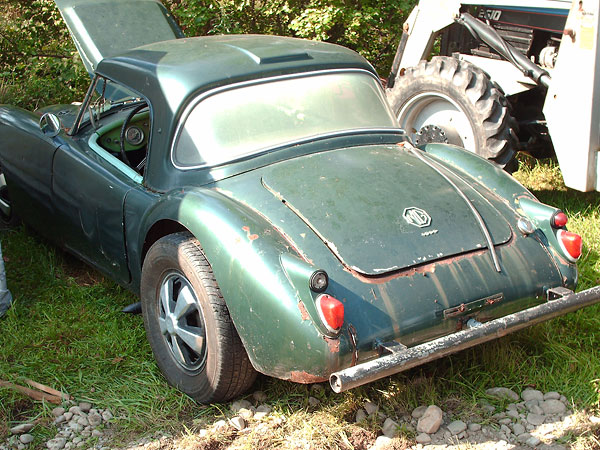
{"points": [[399, 358]]}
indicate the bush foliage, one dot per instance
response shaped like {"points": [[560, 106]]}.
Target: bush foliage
{"points": [[39, 64]]}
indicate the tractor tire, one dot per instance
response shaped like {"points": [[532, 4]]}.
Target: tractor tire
{"points": [[451, 101]]}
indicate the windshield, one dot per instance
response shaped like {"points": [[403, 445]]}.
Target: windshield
{"points": [[103, 95], [238, 122]]}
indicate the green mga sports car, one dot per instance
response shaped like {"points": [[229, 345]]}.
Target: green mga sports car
{"points": [[257, 193]]}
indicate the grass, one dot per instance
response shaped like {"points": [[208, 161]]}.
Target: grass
{"points": [[66, 330]]}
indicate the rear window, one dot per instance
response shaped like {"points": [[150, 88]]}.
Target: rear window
{"points": [[250, 119]]}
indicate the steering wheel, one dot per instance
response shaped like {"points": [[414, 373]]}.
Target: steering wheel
{"points": [[124, 158]]}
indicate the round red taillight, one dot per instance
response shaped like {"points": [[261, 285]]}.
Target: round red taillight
{"points": [[331, 311], [559, 220], [571, 244]]}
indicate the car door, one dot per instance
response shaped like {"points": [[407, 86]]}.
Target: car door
{"points": [[88, 193], [26, 160]]}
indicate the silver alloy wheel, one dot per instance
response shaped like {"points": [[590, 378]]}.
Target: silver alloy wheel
{"points": [[181, 321], [5, 209], [433, 108]]}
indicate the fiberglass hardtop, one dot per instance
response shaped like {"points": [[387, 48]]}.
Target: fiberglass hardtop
{"points": [[172, 74]]}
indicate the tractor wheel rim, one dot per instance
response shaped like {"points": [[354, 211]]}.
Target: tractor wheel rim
{"points": [[439, 110]]}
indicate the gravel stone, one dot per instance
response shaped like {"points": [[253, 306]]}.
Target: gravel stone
{"points": [[488, 408], [76, 427], [313, 402], [431, 420], [531, 403], [59, 420], [456, 427], [59, 411], [361, 415], [85, 407], [382, 442], [512, 413], [532, 394], [94, 419], [563, 399], [533, 441], [240, 404], [553, 406], [68, 416], [535, 419], [22, 428], [523, 437], [518, 429], [77, 440], [107, 415], [474, 427], [75, 410], [551, 396], [97, 433], [537, 410], [505, 421], [26, 438], [220, 426], [419, 411], [83, 421], [56, 443], [423, 438], [390, 428], [371, 408], [501, 392]]}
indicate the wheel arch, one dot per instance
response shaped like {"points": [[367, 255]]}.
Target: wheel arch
{"points": [[159, 229]]}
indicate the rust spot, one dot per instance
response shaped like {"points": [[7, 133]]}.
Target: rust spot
{"points": [[277, 229], [305, 378], [251, 237], [303, 311], [423, 269], [333, 344]]}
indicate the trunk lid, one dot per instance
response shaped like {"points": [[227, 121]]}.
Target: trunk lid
{"points": [[103, 28], [380, 209]]}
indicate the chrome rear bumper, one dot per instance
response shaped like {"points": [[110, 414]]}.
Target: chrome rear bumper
{"points": [[561, 301]]}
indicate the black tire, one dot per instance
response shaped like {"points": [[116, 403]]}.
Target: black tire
{"points": [[472, 100], [8, 218], [216, 367]]}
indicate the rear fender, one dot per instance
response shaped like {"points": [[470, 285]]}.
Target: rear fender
{"points": [[513, 192], [480, 170], [262, 281]]}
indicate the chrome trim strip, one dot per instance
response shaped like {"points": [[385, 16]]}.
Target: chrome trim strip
{"points": [[478, 217]]}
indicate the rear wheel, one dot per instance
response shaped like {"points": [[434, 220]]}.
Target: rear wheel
{"points": [[450, 101], [194, 341]]}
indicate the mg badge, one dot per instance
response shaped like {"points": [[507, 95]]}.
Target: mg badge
{"points": [[417, 217]]}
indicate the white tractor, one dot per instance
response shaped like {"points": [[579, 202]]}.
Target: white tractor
{"points": [[513, 75]]}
